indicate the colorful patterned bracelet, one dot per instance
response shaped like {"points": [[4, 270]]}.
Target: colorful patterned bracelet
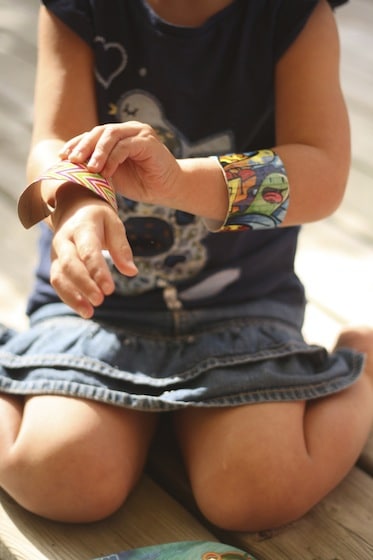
{"points": [[258, 190], [31, 206]]}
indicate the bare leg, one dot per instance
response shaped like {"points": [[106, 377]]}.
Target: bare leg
{"points": [[260, 466], [70, 459]]}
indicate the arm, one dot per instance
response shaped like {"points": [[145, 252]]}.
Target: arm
{"points": [[64, 93], [312, 129], [65, 106], [313, 137], [312, 134]]}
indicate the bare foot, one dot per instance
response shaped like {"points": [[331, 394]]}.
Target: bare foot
{"points": [[360, 339]]}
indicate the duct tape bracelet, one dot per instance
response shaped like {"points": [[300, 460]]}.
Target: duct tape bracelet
{"points": [[258, 190], [31, 206]]}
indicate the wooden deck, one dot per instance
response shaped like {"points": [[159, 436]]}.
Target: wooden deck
{"points": [[335, 261]]}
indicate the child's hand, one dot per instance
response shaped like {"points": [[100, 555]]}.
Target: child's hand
{"points": [[85, 226], [141, 167]]}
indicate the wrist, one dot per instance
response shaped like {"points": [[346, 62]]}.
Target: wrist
{"points": [[258, 190], [202, 190], [40, 198]]}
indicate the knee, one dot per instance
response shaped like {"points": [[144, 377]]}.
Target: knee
{"points": [[66, 485], [252, 505]]}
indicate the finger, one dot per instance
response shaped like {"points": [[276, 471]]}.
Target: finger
{"points": [[68, 270], [119, 248], [139, 146], [89, 248], [69, 146], [76, 301], [112, 146], [96, 146], [81, 147], [68, 291], [101, 160], [117, 156]]}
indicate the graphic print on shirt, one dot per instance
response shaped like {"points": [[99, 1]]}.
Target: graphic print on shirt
{"points": [[117, 56], [168, 245], [139, 105]]}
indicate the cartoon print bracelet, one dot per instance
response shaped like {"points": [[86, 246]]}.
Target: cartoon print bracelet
{"points": [[258, 190], [32, 208]]}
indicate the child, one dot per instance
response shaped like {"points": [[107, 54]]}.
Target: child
{"points": [[220, 126]]}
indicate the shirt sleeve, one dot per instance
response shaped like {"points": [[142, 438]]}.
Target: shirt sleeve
{"points": [[76, 14], [290, 18], [335, 3]]}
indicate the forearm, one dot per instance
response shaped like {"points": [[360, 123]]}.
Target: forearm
{"points": [[202, 190], [317, 180], [316, 183], [42, 155], [65, 103], [53, 181]]}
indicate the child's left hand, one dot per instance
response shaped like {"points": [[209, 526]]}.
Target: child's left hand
{"points": [[85, 226]]}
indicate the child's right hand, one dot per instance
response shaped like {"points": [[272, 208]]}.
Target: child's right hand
{"points": [[84, 226]]}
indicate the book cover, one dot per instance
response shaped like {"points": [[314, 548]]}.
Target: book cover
{"points": [[190, 550]]}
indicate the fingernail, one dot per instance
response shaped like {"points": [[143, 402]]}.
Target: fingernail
{"points": [[85, 313], [76, 154], [107, 288], [132, 266], [92, 162]]}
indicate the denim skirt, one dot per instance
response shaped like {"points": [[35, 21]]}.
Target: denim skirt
{"points": [[161, 361]]}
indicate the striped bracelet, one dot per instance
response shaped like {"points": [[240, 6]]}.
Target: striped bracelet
{"points": [[31, 206]]}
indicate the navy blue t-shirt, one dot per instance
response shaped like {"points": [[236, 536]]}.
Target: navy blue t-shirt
{"points": [[207, 90]]}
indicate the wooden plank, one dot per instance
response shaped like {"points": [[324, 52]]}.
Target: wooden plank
{"points": [[18, 22], [340, 527], [355, 215], [355, 21], [335, 261], [18, 257], [337, 270], [366, 458], [319, 327], [21, 18], [149, 517], [15, 99], [17, 62]]}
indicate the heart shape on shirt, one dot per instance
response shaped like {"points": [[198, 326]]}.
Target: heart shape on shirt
{"points": [[115, 60]]}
